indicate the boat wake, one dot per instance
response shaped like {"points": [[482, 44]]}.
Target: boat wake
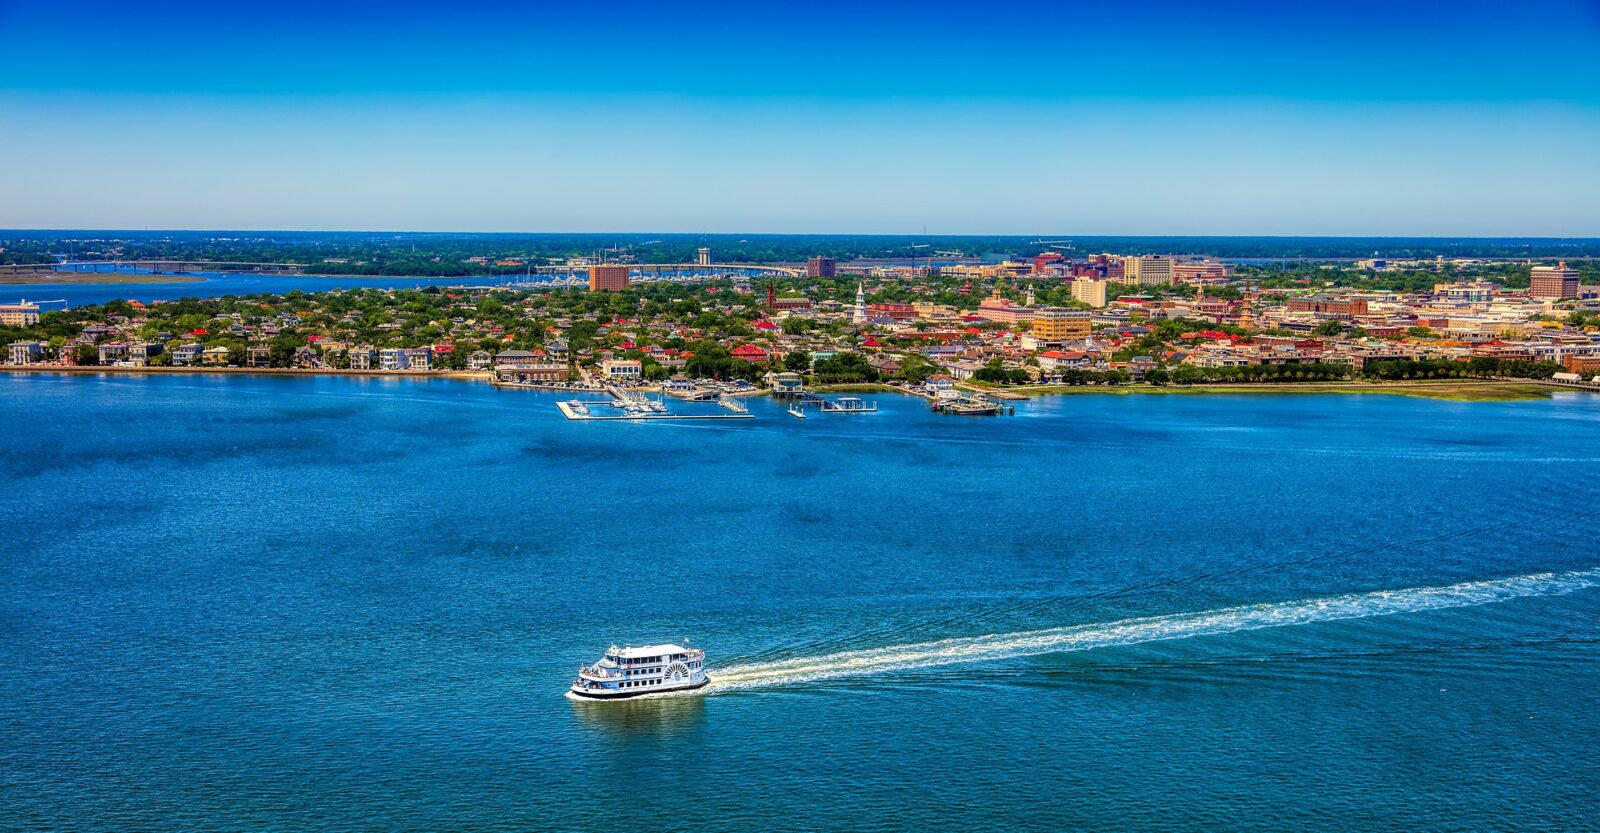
{"points": [[1144, 629]]}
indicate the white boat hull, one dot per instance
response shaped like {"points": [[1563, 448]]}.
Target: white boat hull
{"points": [[599, 694]]}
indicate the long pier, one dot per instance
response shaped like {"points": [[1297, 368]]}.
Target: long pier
{"points": [[572, 413]]}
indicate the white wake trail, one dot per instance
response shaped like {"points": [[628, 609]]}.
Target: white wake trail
{"points": [[1145, 629]]}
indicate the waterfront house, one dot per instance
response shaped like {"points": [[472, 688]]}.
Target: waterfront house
{"points": [[394, 358], [363, 357], [26, 352], [142, 352], [258, 355], [215, 356], [786, 383], [479, 360], [419, 358], [627, 371], [113, 351], [187, 354]]}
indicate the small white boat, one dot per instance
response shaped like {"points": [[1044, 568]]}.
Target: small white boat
{"points": [[649, 669], [797, 413]]}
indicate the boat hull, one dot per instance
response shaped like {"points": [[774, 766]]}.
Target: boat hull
{"points": [[624, 695]]}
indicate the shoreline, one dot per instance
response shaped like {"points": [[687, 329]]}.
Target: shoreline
{"points": [[466, 375], [1455, 390], [89, 278]]}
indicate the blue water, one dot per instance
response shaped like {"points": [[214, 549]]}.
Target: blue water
{"points": [[210, 285], [352, 604]]}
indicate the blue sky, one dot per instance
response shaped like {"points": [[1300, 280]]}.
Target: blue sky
{"points": [[1398, 118]]}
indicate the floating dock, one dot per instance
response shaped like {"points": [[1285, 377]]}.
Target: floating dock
{"points": [[971, 406], [580, 411]]}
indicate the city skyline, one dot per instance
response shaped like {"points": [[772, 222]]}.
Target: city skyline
{"points": [[1239, 119]]}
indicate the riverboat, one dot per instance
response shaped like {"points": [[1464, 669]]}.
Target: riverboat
{"points": [[633, 672]]}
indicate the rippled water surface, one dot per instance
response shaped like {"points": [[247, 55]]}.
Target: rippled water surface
{"points": [[352, 604]]}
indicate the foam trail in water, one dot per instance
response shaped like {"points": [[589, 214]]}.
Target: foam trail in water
{"points": [[1145, 629]]}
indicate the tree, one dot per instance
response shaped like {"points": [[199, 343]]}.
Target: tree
{"points": [[1329, 328], [798, 361]]}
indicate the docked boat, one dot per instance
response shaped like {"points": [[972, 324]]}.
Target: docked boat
{"points": [[632, 672], [849, 405]]}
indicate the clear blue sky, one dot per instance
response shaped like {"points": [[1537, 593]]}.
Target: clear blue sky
{"points": [[1459, 118]]}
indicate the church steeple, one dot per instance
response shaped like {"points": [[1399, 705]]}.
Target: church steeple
{"points": [[860, 316]]}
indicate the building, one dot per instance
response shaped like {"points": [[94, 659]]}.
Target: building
{"points": [[394, 358], [187, 354], [218, 356], [821, 267], [114, 351], [895, 312], [26, 352], [526, 367], [1206, 270], [1090, 291], [859, 315], [627, 371], [786, 383], [749, 353], [1043, 263], [1003, 310], [1150, 270], [1546, 282], [1058, 324], [702, 256], [608, 277], [1333, 307], [140, 353], [22, 314]]}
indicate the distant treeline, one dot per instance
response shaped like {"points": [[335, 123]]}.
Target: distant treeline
{"points": [[422, 254]]}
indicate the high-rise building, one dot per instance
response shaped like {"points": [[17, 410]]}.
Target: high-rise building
{"points": [[1150, 270], [1553, 282], [703, 257], [21, 314], [608, 277], [821, 267], [1090, 291], [1060, 324]]}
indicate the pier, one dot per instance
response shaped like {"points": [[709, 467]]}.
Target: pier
{"points": [[570, 411], [968, 405]]}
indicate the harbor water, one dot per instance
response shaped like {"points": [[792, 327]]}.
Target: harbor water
{"points": [[350, 604]]}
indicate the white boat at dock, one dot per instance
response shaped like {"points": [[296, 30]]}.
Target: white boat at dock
{"points": [[633, 672], [848, 405]]}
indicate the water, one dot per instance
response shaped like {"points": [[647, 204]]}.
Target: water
{"points": [[211, 285], [353, 604]]}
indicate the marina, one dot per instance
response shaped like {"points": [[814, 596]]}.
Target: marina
{"points": [[576, 409]]}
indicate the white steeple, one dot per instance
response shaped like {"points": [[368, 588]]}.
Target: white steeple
{"points": [[860, 315]]}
